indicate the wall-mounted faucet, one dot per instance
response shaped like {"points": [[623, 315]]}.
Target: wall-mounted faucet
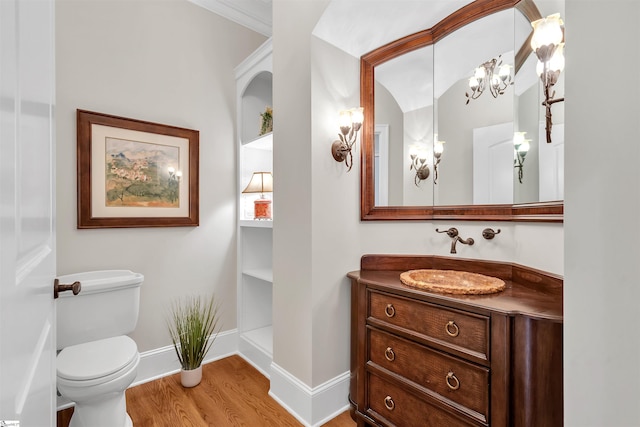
{"points": [[453, 233]]}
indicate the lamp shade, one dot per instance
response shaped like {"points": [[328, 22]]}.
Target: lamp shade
{"points": [[261, 182]]}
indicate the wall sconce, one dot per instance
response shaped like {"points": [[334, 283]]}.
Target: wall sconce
{"points": [[261, 182], [521, 146], [350, 124], [438, 148], [419, 163], [547, 44], [497, 74]]}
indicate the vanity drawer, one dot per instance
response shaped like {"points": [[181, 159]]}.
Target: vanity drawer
{"points": [[401, 408], [449, 377], [464, 332]]}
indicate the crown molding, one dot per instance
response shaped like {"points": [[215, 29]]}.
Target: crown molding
{"points": [[253, 14]]}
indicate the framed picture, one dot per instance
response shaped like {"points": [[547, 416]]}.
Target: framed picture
{"points": [[133, 173]]}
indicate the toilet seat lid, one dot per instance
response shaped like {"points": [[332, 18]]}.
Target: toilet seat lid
{"points": [[96, 359]]}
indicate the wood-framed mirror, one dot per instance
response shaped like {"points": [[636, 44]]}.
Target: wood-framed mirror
{"points": [[429, 46]]}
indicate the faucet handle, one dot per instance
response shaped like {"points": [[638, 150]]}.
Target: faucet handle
{"points": [[452, 232], [489, 233]]}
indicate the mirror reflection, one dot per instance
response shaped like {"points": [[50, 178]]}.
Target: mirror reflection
{"points": [[461, 121], [404, 129]]}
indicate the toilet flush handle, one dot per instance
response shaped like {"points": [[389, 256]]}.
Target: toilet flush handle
{"points": [[75, 287]]}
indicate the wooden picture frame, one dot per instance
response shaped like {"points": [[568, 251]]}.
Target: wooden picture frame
{"points": [[133, 173]]}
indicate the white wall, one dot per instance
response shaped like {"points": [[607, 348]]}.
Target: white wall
{"points": [[292, 165], [602, 215], [169, 62]]}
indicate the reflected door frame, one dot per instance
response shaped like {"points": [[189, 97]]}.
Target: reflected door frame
{"points": [[381, 164]]}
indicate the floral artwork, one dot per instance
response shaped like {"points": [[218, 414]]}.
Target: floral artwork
{"points": [[134, 173], [141, 174]]}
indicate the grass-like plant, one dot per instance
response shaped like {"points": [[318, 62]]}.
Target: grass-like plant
{"points": [[192, 321]]}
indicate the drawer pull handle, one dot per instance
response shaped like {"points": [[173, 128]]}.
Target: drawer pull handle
{"points": [[452, 381], [389, 310], [389, 354], [389, 403], [452, 329]]}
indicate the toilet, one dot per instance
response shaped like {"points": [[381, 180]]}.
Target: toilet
{"points": [[97, 361]]}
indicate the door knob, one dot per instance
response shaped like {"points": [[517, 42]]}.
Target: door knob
{"points": [[75, 287]]}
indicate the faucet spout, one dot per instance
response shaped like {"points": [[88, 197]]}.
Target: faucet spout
{"points": [[455, 238], [468, 241]]}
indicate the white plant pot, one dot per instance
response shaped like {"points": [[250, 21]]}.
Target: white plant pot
{"points": [[191, 377]]}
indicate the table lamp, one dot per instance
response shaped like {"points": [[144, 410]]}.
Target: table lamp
{"points": [[261, 182]]}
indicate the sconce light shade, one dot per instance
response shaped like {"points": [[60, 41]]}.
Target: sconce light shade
{"points": [[357, 116], [438, 148], [555, 65], [546, 32], [261, 182]]}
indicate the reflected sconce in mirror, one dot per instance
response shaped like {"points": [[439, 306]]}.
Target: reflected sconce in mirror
{"points": [[174, 175], [438, 148], [350, 124], [547, 43], [521, 148], [419, 163], [261, 182], [492, 74], [173, 185]]}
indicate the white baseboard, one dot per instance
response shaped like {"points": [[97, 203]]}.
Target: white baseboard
{"points": [[311, 406], [163, 361]]}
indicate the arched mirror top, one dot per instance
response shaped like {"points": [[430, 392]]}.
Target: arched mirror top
{"points": [[420, 47]]}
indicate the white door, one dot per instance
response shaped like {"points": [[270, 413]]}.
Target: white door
{"points": [[493, 164], [27, 227]]}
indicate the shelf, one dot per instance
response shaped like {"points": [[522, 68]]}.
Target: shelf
{"points": [[265, 274], [256, 223], [261, 338], [263, 142]]}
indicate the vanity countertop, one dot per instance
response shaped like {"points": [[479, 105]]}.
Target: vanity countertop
{"points": [[528, 292]]}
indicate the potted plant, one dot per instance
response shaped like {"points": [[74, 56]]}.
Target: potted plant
{"points": [[266, 121], [193, 326]]}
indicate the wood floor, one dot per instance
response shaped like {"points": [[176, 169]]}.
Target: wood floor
{"points": [[232, 393]]}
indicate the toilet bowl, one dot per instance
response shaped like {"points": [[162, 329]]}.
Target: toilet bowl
{"points": [[95, 375], [97, 362]]}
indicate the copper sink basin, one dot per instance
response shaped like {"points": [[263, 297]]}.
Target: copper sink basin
{"points": [[452, 282]]}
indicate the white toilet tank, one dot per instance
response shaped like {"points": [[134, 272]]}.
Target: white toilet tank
{"points": [[107, 306]]}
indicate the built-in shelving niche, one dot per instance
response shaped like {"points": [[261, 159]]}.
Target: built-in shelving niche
{"points": [[255, 237]]}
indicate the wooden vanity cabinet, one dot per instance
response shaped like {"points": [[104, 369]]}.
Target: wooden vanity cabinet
{"points": [[426, 359]]}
